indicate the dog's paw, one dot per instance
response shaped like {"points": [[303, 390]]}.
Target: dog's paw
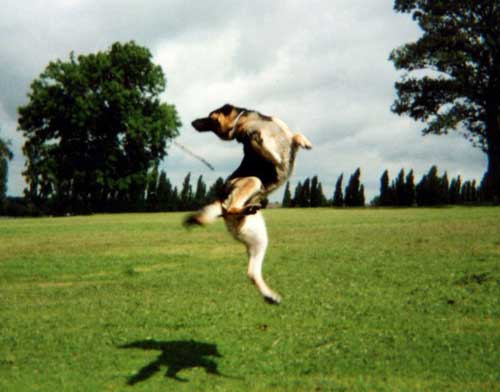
{"points": [[273, 299], [302, 141], [192, 220], [252, 209], [255, 136]]}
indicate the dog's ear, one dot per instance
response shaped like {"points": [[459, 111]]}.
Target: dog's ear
{"points": [[226, 109]]}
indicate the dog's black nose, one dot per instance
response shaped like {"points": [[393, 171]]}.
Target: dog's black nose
{"points": [[197, 124], [203, 124]]}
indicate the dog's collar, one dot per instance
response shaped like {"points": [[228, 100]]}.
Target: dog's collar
{"points": [[236, 122]]}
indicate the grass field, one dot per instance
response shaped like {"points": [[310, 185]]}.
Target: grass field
{"points": [[402, 300]]}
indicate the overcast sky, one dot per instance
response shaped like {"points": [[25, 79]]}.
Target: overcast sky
{"points": [[320, 65]]}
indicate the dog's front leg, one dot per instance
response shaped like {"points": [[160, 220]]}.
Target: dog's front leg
{"points": [[265, 146], [253, 233]]}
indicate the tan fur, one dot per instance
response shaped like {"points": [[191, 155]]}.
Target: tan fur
{"points": [[270, 148], [243, 189]]}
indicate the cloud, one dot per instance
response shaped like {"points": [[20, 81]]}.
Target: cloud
{"points": [[321, 66]]}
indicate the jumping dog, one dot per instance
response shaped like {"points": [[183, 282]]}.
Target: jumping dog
{"points": [[269, 150]]}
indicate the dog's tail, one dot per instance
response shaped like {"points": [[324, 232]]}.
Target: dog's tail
{"points": [[300, 140]]}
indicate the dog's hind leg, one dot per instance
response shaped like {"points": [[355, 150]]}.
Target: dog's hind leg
{"points": [[243, 190], [251, 230]]}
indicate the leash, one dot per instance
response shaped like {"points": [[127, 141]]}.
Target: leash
{"points": [[189, 152]]}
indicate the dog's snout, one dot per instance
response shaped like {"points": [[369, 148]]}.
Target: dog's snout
{"points": [[205, 124], [202, 124], [196, 123]]}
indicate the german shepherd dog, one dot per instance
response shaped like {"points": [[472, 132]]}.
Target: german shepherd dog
{"points": [[269, 154]]}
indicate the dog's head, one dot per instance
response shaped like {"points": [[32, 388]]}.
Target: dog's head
{"points": [[220, 121]]}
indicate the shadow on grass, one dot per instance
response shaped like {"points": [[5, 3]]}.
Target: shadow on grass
{"points": [[175, 356]]}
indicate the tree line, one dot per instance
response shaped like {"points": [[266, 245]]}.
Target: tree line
{"points": [[161, 195], [309, 193], [157, 195], [431, 190]]}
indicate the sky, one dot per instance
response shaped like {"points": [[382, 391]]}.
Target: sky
{"points": [[319, 65]]}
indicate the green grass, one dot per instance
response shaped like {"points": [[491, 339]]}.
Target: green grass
{"points": [[373, 299]]}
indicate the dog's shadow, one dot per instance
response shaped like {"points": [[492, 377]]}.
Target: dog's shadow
{"points": [[175, 356]]}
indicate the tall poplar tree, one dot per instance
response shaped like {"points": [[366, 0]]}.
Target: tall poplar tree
{"points": [[354, 192], [338, 195], [287, 196], [186, 195], [5, 156], [386, 193], [200, 194]]}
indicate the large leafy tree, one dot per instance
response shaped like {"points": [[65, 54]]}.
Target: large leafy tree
{"points": [[459, 89], [94, 126]]}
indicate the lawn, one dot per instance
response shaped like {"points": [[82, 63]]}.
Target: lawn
{"points": [[373, 299]]}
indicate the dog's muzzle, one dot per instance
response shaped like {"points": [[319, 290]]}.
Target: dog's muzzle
{"points": [[205, 124]]}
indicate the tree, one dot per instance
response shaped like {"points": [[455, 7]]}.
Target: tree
{"points": [[460, 90], [430, 189], [317, 197], [5, 156], [166, 199], [338, 196], [454, 192], [287, 196], [409, 189], [94, 127], [399, 189], [186, 195], [469, 192], [296, 201], [360, 202], [216, 191], [322, 201], [174, 201], [152, 195], [305, 194], [314, 197], [444, 190], [386, 198], [200, 194], [354, 192]]}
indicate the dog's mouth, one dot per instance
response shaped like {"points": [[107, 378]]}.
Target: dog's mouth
{"points": [[205, 124]]}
